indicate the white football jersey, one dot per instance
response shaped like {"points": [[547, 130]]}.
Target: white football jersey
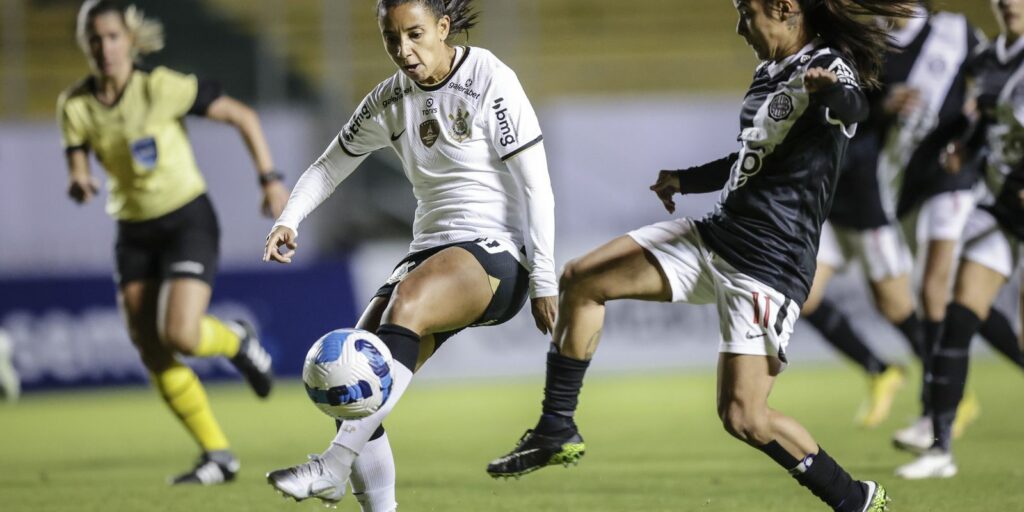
{"points": [[453, 139]]}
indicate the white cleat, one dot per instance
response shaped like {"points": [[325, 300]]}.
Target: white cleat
{"points": [[917, 438], [931, 464], [10, 383], [313, 479]]}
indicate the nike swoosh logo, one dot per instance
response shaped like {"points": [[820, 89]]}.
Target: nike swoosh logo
{"points": [[396, 137], [751, 336]]}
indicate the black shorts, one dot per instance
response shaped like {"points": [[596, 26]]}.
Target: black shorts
{"points": [[183, 243], [511, 288]]}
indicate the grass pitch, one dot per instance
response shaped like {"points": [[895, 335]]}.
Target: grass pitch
{"points": [[653, 444]]}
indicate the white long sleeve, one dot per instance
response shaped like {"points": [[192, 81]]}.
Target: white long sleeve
{"points": [[530, 169], [317, 184]]}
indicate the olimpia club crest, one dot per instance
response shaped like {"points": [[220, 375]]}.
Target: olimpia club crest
{"points": [[460, 125]]}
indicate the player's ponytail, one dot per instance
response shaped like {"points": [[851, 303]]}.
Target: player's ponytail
{"points": [[460, 12], [847, 26], [147, 33]]}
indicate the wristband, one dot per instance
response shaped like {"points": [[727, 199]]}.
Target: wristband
{"points": [[270, 177]]}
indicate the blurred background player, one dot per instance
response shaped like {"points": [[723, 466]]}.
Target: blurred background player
{"points": [[483, 236], [922, 103], [754, 256], [992, 236], [167, 231]]}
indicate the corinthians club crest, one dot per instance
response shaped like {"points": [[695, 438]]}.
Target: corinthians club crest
{"points": [[460, 126], [430, 130]]}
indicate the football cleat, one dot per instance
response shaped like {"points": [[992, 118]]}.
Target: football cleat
{"points": [[311, 479], [212, 468], [878, 499], [933, 463], [10, 382], [252, 360], [883, 389], [535, 451], [917, 438]]}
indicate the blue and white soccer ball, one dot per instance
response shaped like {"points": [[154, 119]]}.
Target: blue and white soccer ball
{"points": [[347, 373]]}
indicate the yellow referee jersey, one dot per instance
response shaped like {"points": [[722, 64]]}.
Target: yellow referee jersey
{"points": [[140, 140]]}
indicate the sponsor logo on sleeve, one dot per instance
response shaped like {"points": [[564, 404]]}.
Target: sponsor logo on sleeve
{"points": [[349, 132], [507, 131], [843, 72]]}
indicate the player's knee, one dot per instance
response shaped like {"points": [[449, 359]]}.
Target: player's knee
{"points": [[156, 359], [575, 280], [180, 338], [404, 308], [895, 309], [748, 424]]}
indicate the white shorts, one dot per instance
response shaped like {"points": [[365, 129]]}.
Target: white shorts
{"points": [[943, 216], [986, 244], [882, 251], [754, 319]]}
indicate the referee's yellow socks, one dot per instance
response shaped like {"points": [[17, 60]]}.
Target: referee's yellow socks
{"points": [[216, 339], [181, 389]]}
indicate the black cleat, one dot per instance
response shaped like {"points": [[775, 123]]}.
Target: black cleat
{"points": [[253, 361], [535, 451], [212, 468]]}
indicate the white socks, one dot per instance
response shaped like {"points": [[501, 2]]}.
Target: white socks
{"points": [[373, 477]]}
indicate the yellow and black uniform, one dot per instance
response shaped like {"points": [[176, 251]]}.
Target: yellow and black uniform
{"points": [[166, 224]]}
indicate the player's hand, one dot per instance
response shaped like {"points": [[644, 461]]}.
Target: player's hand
{"points": [[819, 79], [281, 235], [83, 187], [902, 100], [952, 157], [275, 196], [666, 187], [545, 309]]}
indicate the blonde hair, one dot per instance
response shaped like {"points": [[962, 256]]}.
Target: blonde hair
{"points": [[147, 33]]}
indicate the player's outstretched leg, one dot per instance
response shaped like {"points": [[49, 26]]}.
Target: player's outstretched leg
{"points": [[619, 269], [744, 384]]}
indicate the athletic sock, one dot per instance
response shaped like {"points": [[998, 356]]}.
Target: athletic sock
{"points": [[354, 434], [913, 331], [998, 332], [932, 337], [563, 383], [180, 388], [821, 475], [216, 339], [835, 327], [373, 476], [949, 370]]}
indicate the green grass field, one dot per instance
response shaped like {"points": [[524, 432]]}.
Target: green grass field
{"points": [[654, 444]]}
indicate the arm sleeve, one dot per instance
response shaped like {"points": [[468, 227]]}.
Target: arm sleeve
{"points": [[207, 92], [317, 184], [845, 103], [364, 133], [530, 169], [709, 177], [512, 124], [177, 92], [72, 132]]}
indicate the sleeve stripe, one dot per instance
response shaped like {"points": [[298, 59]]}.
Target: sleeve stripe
{"points": [[522, 148], [80, 147], [347, 152]]}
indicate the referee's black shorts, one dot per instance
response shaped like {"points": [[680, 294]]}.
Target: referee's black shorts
{"points": [[510, 280], [183, 243]]}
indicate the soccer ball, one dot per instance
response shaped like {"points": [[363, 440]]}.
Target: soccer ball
{"points": [[347, 373]]}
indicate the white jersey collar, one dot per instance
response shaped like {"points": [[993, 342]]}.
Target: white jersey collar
{"points": [[774, 68], [1005, 54]]}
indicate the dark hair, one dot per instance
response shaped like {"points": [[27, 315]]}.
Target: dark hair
{"points": [[846, 26], [459, 11]]}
